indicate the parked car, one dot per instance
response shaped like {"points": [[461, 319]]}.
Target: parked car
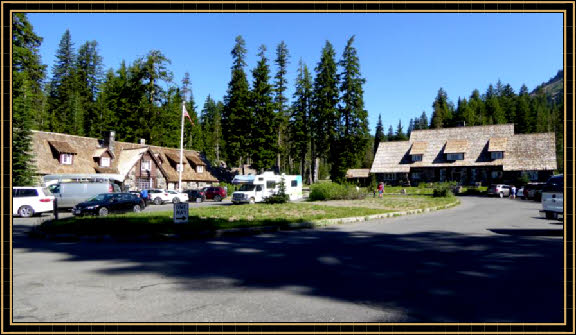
{"points": [[216, 193], [161, 196], [553, 197], [533, 191], [106, 203], [196, 194], [499, 190], [27, 201]]}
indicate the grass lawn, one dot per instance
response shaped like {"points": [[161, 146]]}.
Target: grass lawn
{"points": [[210, 218]]}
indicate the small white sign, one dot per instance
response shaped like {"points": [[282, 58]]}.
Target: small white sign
{"points": [[181, 212]]}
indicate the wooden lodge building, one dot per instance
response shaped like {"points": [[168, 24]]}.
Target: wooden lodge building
{"points": [[468, 155], [141, 165]]}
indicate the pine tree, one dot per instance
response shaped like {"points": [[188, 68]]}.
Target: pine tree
{"points": [[523, 121], [465, 112], [353, 132], [281, 103], [299, 128], [424, 121], [27, 75], [237, 121], [494, 112], [508, 103], [211, 127], [88, 81], [64, 114], [193, 132], [442, 114], [324, 113], [390, 135], [264, 134], [478, 110], [410, 127], [400, 135], [379, 134], [152, 71]]}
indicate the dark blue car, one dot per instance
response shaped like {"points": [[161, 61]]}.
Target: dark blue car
{"points": [[106, 203]]}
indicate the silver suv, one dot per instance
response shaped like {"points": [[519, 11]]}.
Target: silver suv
{"points": [[499, 190]]}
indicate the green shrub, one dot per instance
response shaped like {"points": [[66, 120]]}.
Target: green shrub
{"points": [[281, 197], [333, 191], [444, 189]]}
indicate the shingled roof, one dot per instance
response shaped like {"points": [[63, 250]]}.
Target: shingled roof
{"points": [[358, 173], [126, 154], [523, 152]]}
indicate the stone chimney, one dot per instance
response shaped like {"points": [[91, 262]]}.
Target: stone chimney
{"points": [[109, 141], [142, 141]]}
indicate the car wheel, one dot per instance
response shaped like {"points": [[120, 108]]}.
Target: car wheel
{"points": [[175, 200], [137, 209], [157, 201], [551, 216], [217, 198], [103, 211], [252, 201], [26, 211]]}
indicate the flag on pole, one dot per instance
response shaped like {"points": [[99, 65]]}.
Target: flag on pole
{"points": [[187, 115]]}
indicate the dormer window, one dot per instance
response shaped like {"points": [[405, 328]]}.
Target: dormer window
{"points": [[416, 158], [66, 159], [455, 156], [497, 154], [104, 161], [200, 169], [179, 167], [145, 166]]}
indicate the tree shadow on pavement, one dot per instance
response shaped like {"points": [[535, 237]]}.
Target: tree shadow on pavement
{"points": [[430, 276]]}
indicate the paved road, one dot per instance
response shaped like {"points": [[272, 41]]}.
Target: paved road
{"points": [[487, 260]]}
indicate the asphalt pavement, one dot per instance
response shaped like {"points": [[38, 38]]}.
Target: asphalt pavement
{"points": [[487, 260]]}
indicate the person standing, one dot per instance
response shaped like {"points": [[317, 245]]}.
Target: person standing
{"points": [[144, 196], [381, 190], [513, 192]]}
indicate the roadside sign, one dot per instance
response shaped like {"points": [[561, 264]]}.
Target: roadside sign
{"points": [[181, 212]]}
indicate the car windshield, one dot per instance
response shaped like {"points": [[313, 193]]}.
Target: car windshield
{"points": [[247, 187], [101, 197]]}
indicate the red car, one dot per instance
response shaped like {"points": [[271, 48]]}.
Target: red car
{"points": [[216, 193]]}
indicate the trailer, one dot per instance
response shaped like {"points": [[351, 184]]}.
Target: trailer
{"points": [[256, 188]]}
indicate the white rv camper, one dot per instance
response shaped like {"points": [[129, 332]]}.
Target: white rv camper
{"points": [[256, 188]]}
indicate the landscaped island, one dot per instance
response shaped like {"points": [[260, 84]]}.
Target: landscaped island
{"points": [[212, 218]]}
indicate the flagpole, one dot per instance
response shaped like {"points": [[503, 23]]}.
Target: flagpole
{"points": [[181, 149]]}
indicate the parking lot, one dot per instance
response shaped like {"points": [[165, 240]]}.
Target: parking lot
{"points": [[487, 260]]}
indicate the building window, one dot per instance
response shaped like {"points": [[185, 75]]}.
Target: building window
{"points": [[389, 176], [497, 154], [532, 175], [496, 174], [199, 169], [416, 175], [145, 166], [104, 161], [416, 158], [455, 157], [66, 159], [144, 183], [270, 184], [294, 183]]}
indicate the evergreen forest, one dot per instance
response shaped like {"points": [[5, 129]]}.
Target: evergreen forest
{"points": [[320, 131]]}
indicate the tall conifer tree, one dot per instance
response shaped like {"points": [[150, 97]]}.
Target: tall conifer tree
{"points": [[27, 75], [237, 121], [281, 103], [264, 134], [324, 113], [353, 135], [299, 126], [379, 134], [64, 114]]}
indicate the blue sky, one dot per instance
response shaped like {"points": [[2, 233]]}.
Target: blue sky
{"points": [[404, 57]]}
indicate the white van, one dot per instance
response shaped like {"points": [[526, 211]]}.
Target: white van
{"points": [[553, 197], [72, 189], [259, 187]]}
